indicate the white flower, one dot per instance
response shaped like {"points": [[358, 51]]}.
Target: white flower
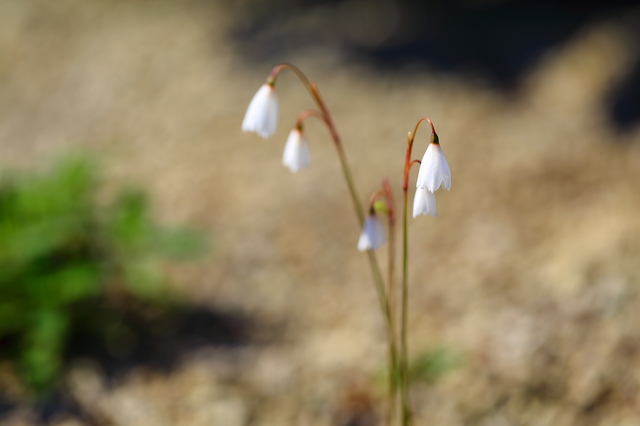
{"points": [[262, 115], [424, 202], [434, 170], [296, 155], [372, 235]]}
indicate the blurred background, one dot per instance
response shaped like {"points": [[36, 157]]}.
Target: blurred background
{"points": [[160, 267]]}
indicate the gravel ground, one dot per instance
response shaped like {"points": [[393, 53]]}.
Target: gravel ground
{"points": [[529, 273]]}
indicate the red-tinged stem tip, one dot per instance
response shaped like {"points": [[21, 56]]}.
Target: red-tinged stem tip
{"points": [[386, 187], [308, 113], [407, 162], [433, 129], [276, 70]]}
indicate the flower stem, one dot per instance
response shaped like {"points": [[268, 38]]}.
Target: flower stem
{"points": [[391, 302], [276, 70], [404, 379], [404, 364], [379, 283], [404, 374], [383, 297], [346, 171]]}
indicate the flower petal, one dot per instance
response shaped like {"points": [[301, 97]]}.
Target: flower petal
{"points": [[445, 173], [424, 202], [434, 170], [262, 114], [372, 235], [297, 154]]}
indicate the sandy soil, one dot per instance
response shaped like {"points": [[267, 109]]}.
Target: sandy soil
{"points": [[529, 273]]}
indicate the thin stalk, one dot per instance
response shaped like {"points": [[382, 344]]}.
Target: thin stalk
{"points": [[404, 379], [308, 113], [276, 70], [404, 364], [391, 302], [346, 171], [325, 116], [373, 261]]}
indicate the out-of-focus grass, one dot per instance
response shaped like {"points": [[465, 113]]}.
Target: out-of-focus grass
{"points": [[428, 366], [60, 249]]}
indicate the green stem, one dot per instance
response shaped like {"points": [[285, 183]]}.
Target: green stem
{"points": [[404, 395], [391, 302], [377, 278], [404, 364], [393, 347], [346, 171]]}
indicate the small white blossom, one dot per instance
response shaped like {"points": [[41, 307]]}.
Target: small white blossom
{"points": [[262, 115], [372, 235], [296, 155], [434, 170], [424, 202]]}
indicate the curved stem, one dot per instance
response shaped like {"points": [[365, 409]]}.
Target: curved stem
{"points": [[404, 364], [373, 262], [308, 113], [335, 137], [355, 199], [276, 70], [376, 196], [415, 130]]}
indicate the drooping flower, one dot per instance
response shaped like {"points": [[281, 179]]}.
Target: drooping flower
{"points": [[262, 115], [372, 235], [424, 202], [297, 154], [434, 169]]}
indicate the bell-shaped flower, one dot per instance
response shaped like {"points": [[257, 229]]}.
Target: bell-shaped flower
{"points": [[434, 170], [296, 155], [262, 115], [372, 235], [424, 202]]}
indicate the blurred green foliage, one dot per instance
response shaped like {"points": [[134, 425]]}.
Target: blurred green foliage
{"points": [[61, 248], [427, 367]]}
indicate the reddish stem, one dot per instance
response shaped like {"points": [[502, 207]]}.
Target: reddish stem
{"points": [[308, 113], [404, 391]]}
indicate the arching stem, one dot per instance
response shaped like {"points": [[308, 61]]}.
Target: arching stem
{"points": [[404, 363], [355, 199]]}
